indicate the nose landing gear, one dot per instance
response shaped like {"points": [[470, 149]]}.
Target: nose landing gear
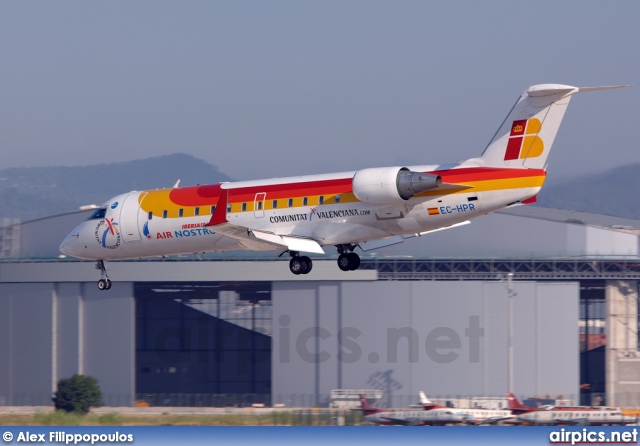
{"points": [[104, 283]]}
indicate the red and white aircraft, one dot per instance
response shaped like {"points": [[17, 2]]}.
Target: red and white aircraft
{"points": [[518, 408], [366, 209], [435, 417], [472, 416], [568, 415]]}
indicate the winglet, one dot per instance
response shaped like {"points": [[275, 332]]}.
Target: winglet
{"points": [[220, 214]]}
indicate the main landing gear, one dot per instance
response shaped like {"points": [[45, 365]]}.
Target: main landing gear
{"points": [[104, 283], [348, 260], [299, 264]]}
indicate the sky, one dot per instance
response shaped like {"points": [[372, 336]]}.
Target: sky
{"points": [[276, 88]]}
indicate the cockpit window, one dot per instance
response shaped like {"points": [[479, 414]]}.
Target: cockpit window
{"points": [[98, 214]]}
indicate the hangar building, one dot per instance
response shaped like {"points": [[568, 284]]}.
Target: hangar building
{"points": [[431, 314]]}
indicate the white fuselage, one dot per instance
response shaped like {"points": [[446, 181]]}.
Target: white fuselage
{"points": [[415, 417], [154, 223], [582, 417]]}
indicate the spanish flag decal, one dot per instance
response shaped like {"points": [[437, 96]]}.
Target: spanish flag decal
{"points": [[433, 211]]}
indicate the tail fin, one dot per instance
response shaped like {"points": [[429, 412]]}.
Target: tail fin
{"points": [[525, 137], [427, 404], [367, 409], [516, 406]]}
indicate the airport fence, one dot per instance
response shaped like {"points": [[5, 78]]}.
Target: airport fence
{"points": [[624, 400]]}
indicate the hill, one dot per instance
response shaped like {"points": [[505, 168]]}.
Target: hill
{"points": [[613, 192], [33, 192]]}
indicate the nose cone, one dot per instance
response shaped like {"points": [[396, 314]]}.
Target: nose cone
{"points": [[77, 243], [69, 244]]}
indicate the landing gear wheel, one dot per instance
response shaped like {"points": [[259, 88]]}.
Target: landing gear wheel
{"points": [[348, 261], [307, 263], [299, 264], [104, 283], [296, 266], [354, 261], [343, 262]]}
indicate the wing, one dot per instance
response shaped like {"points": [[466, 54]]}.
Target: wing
{"points": [[267, 241], [256, 240], [573, 422], [402, 421], [496, 420]]}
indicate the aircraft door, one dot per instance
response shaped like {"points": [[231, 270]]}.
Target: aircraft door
{"points": [[129, 219], [258, 205]]}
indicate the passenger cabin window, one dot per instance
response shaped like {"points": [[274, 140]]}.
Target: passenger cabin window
{"points": [[290, 202], [228, 208], [98, 214], [321, 199], [180, 212], [164, 214], [150, 216], [304, 201], [275, 204], [213, 209], [244, 207], [337, 198], [196, 211]]}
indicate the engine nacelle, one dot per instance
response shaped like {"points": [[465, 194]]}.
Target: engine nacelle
{"points": [[391, 184]]}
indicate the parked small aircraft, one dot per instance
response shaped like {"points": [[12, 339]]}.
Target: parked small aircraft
{"points": [[517, 407], [560, 415], [472, 416], [435, 417]]}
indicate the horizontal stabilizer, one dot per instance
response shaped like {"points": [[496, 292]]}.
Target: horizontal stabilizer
{"points": [[610, 87], [462, 223], [380, 243]]}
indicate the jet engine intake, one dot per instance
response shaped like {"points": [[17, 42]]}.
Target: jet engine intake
{"points": [[391, 184]]}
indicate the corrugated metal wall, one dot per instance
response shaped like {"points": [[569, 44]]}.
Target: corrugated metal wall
{"points": [[446, 338]]}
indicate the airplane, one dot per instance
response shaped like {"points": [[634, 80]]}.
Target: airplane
{"points": [[567, 415], [517, 407], [576, 417], [435, 417], [471, 416], [366, 209]]}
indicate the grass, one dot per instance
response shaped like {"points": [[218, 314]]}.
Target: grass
{"points": [[277, 418]]}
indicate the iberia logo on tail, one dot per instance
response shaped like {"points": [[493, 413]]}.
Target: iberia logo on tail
{"points": [[523, 140]]}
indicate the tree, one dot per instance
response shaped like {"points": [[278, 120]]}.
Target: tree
{"points": [[77, 394]]}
